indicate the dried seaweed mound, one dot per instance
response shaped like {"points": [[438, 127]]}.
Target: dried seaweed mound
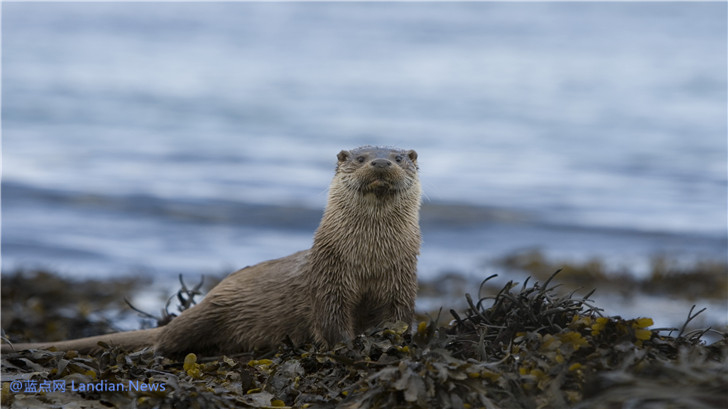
{"points": [[524, 347]]}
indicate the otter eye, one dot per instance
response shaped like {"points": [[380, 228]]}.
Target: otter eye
{"points": [[398, 158], [360, 159]]}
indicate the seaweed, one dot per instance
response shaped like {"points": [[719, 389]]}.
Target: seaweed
{"points": [[39, 305], [185, 296], [524, 346], [705, 279]]}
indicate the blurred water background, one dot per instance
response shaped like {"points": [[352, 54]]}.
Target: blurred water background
{"points": [[194, 138]]}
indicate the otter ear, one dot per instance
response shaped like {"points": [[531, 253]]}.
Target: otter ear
{"points": [[412, 155], [343, 156]]}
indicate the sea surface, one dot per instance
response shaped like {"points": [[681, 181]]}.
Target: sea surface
{"points": [[197, 138]]}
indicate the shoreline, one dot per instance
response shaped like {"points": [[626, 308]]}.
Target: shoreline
{"points": [[519, 346]]}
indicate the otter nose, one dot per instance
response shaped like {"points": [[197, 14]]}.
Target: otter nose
{"points": [[381, 163]]}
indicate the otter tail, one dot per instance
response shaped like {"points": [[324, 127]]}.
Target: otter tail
{"points": [[129, 340]]}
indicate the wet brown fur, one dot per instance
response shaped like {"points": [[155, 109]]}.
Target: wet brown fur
{"points": [[360, 271]]}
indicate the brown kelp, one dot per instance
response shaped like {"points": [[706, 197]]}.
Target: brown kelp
{"points": [[524, 346]]}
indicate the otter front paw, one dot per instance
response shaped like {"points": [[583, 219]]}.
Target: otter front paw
{"points": [[328, 336]]}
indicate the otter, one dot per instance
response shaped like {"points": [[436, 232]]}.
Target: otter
{"points": [[359, 272]]}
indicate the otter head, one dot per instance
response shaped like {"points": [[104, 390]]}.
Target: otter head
{"points": [[381, 172]]}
